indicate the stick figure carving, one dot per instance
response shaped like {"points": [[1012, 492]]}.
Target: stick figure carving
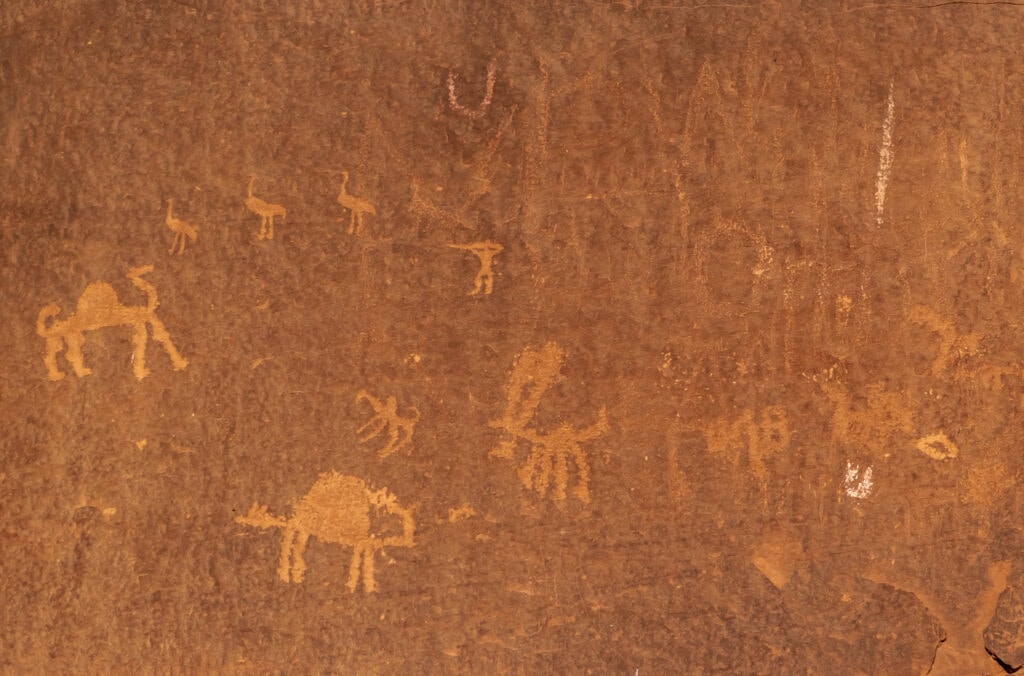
{"points": [[265, 210], [337, 509], [99, 307], [180, 228], [547, 464], [357, 206], [485, 251], [399, 428]]}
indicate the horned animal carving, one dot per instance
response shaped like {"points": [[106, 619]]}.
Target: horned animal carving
{"points": [[337, 509], [99, 307]]}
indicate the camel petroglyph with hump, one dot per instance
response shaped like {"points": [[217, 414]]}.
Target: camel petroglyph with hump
{"points": [[98, 308], [265, 210], [337, 509]]}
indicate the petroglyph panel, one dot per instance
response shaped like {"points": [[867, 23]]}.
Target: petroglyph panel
{"points": [[685, 337]]}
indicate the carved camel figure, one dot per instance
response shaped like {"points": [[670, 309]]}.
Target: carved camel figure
{"points": [[99, 307], [265, 210], [356, 205], [336, 509]]}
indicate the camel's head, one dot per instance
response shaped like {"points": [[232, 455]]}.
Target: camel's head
{"points": [[140, 270], [51, 310]]}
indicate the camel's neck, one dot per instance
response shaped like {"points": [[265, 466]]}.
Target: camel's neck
{"points": [[252, 182], [169, 206]]}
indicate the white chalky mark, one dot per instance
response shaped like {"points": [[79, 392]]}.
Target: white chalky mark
{"points": [[862, 488], [885, 155]]}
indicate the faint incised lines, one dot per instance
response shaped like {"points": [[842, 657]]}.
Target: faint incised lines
{"points": [[399, 428], [762, 437], [547, 465], [951, 345], [873, 426], [99, 307], [357, 206], [265, 210], [180, 228], [337, 509], [726, 228], [485, 251], [484, 105]]}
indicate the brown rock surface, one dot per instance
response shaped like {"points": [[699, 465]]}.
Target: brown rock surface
{"points": [[550, 337]]}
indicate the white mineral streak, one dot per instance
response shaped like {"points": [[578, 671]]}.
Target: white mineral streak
{"points": [[854, 488], [884, 157]]}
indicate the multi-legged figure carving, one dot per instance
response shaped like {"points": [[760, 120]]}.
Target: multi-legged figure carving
{"points": [[548, 461], [265, 210], [99, 307], [549, 458], [180, 228], [357, 206], [485, 251], [337, 509], [399, 428]]}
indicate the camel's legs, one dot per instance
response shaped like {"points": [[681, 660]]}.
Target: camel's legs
{"points": [[139, 356], [174, 243], [369, 583], [352, 221], [582, 489], [161, 336], [74, 353], [353, 568], [526, 471], [298, 560], [270, 227], [478, 284], [284, 568], [488, 283], [560, 464], [53, 346]]}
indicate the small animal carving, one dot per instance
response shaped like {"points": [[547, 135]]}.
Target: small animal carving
{"points": [[180, 228], [357, 206], [99, 307], [337, 509], [399, 428], [265, 210], [485, 251]]}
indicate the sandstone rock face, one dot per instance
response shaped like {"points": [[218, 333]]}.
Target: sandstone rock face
{"points": [[547, 337]]}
